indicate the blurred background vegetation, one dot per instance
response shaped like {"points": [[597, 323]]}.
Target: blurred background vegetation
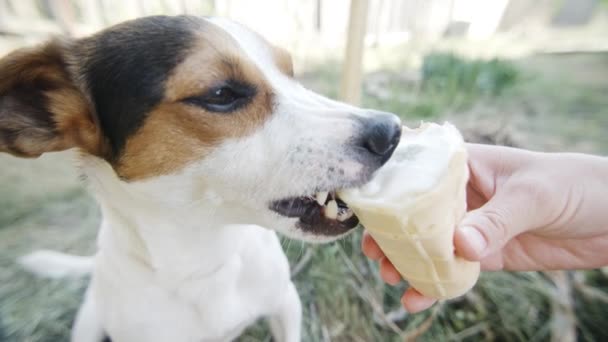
{"points": [[532, 74]]}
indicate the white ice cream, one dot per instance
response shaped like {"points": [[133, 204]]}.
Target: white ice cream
{"points": [[417, 165]]}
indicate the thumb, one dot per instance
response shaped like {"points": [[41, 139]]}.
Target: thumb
{"points": [[486, 230]]}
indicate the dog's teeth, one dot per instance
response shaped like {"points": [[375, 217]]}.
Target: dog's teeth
{"points": [[345, 214], [322, 197], [331, 210]]}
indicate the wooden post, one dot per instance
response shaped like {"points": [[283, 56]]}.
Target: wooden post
{"points": [[352, 70]]}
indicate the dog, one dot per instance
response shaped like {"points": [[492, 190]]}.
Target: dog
{"points": [[199, 145]]}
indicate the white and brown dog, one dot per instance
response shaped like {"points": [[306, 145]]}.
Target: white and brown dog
{"points": [[193, 135]]}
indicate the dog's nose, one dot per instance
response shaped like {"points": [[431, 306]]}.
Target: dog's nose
{"points": [[381, 134]]}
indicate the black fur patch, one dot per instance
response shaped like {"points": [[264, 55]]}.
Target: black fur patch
{"points": [[26, 100], [126, 67]]}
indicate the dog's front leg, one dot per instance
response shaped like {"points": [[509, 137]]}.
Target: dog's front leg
{"points": [[286, 323], [87, 326]]}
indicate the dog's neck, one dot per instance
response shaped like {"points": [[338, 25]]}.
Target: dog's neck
{"points": [[175, 241]]}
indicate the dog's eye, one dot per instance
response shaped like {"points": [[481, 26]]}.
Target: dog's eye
{"points": [[224, 98]]}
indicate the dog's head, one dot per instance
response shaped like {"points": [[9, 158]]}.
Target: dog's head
{"points": [[192, 110]]}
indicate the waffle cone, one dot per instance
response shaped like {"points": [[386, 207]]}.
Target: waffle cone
{"points": [[417, 236]]}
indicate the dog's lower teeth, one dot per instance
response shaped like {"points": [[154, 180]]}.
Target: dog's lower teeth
{"points": [[345, 214], [331, 210], [321, 197]]}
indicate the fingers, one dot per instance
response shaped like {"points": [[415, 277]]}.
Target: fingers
{"points": [[493, 262], [371, 248], [505, 201], [497, 158], [413, 301], [470, 243], [486, 230], [388, 272]]}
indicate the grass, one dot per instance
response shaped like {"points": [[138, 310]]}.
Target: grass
{"points": [[445, 82], [544, 102], [449, 75]]}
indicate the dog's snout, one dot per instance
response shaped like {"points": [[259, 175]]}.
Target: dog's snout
{"points": [[381, 134]]}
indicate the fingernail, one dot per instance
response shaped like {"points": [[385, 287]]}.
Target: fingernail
{"points": [[477, 242]]}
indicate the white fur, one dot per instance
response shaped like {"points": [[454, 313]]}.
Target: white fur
{"points": [[167, 271], [51, 264], [183, 257]]}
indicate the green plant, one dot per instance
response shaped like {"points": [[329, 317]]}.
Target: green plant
{"points": [[451, 74]]}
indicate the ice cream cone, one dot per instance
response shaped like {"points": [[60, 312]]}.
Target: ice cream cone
{"points": [[413, 223]]}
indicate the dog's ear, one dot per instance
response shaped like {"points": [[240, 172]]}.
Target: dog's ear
{"points": [[41, 108]]}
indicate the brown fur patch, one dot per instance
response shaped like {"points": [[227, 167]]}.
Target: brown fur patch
{"points": [[176, 133], [40, 108], [283, 60], [282, 57], [73, 120]]}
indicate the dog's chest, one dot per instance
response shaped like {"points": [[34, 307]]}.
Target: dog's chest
{"points": [[143, 306]]}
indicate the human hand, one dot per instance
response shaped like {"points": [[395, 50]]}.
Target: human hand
{"points": [[527, 211]]}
